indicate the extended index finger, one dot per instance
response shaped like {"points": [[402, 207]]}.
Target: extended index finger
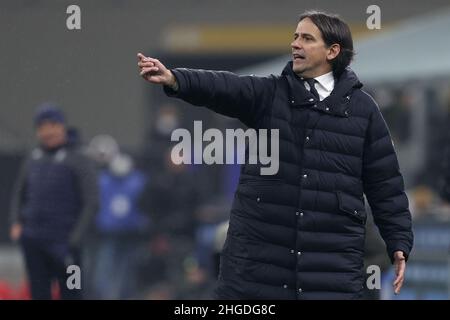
{"points": [[141, 56]]}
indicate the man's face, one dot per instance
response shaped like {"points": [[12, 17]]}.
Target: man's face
{"points": [[51, 134], [310, 54]]}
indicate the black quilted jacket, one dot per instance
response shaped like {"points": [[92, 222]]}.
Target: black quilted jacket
{"points": [[300, 233]]}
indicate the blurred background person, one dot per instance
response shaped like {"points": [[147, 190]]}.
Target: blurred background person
{"points": [[122, 227], [54, 199], [172, 199], [102, 149]]}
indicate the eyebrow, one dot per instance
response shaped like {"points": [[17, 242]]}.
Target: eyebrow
{"points": [[304, 34]]}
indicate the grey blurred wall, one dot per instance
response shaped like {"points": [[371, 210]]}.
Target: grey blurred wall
{"points": [[92, 72]]}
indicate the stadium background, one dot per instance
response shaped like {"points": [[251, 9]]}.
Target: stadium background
{"points": [[92, 74]]}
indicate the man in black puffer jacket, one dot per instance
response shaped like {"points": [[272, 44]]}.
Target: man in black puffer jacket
{"points": [[300, 234]]}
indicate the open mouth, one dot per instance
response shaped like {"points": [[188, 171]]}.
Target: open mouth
{"points": [[298, 57]]}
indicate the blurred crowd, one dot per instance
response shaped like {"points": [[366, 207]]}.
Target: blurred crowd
{"points": [[158, 226], [168, 249]]}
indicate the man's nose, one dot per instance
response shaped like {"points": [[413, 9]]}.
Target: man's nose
{"points": [[295, 44]]}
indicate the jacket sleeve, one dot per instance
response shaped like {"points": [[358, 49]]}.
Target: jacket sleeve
{"points": [[241, 97], [384, 187], [88, 188], [18, 195]]}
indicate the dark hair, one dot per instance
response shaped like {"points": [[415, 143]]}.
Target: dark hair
{"points": [[334, 30]]}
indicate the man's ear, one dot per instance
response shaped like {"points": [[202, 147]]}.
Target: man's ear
{"points": [[333, 51]]}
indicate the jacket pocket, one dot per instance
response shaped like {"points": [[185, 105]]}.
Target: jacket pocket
{"points": [[352, 206], [261, 190]]}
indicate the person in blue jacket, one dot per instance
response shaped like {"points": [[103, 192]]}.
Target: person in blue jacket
{"points": [[54, 201], [121, 226]]}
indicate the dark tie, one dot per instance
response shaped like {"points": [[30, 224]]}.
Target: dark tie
{"points": [[312, 89]]}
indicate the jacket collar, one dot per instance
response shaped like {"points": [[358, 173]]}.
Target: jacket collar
{"points": [[336, 103]]}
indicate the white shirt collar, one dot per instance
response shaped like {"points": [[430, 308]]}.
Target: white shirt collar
{"points": [[324, 85], [326, 81]]}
